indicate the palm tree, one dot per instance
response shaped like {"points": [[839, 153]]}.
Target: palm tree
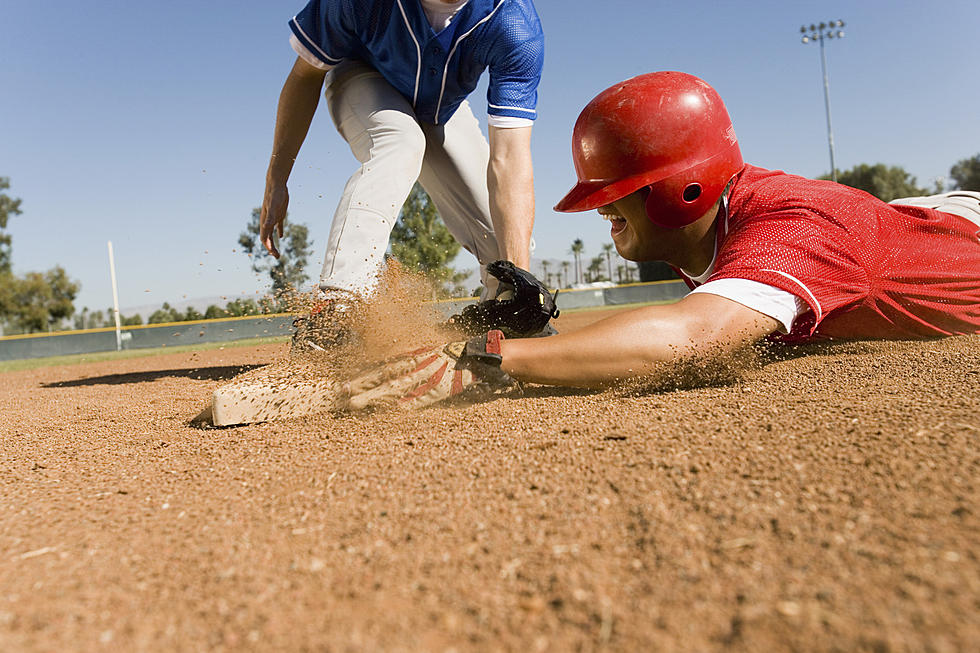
{"points": [[607, 249], [577, 248], [544, 268], [629, 272], [564, 268], [595, 269], [81, 319]]}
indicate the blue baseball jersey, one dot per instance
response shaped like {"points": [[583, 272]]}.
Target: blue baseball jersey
{"points": [[435, 71]]}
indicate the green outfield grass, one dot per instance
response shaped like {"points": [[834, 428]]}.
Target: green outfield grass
{"points": [[74, 359]]}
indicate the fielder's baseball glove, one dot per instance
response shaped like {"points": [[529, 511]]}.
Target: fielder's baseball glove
{"points": [[425, 376], [522, 309]]}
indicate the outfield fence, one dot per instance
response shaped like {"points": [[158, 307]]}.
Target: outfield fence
{"points": [[174, 334]]}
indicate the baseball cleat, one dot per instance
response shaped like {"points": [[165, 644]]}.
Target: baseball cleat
{"points": [[326, 327]]}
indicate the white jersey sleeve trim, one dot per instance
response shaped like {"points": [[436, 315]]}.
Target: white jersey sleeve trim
{"points": [[508, 122], [803, 287], [306, 55], [782, 306], [533, 112]]}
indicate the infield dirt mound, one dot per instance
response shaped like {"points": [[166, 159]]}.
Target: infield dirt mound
{"points": [[825, 501]]}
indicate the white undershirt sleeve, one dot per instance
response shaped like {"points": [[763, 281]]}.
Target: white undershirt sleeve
{"points": [[780, 305], [306, 55], [508, 122]]}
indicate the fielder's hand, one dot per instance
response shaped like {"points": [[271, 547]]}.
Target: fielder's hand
{"points": [[523, 309], [274, 206], [426, 376]]}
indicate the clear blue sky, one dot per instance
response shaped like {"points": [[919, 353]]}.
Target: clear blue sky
{"points": [[150, 124]]}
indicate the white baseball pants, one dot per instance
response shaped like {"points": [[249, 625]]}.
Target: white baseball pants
{"points": [[395, 149], [964, 203]]}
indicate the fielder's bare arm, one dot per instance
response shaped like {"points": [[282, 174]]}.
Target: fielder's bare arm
{"points": [[395, 75]]}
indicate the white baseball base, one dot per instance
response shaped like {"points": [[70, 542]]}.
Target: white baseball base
{"points": [[273, 392]]}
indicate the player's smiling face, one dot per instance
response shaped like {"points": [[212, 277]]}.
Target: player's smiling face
{"points": [[635, 237], [638, 239]]}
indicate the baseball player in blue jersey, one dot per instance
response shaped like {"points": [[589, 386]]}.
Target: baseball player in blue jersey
{"points": [[396, 76]]}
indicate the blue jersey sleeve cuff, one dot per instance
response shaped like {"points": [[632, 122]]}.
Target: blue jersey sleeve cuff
{"points": [[511, 111], [306, 48]]}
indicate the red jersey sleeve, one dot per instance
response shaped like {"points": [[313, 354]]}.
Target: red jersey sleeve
{"points": [[790, 250], [866, 269]]}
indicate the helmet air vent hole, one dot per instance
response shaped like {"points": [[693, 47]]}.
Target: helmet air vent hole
{"points": [[692, 192]]}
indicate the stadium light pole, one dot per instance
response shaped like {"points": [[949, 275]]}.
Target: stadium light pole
{"points": [[829, 30]]}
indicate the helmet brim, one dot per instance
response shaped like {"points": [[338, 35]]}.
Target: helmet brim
{"points": [[591, 194], [584, 196]]}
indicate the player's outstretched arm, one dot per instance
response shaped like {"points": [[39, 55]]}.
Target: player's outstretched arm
{"points": [[510, 182], [297, 104], [641, 343], [637, 343]]}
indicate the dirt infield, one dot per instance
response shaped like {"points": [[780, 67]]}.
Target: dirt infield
{"points": [[825, 502]]}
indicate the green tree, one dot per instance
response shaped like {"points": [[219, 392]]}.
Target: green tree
{"points": [[165, 314], [607, 249], [884, 182], [213, 312], [595, 269], [242, 307], [8, 207], [7, 283], [82, 318], [966, 174], [621, 273], [421, 242], [39, 301], [578, 247], [288, 272], [61, 305], [86, 319]]}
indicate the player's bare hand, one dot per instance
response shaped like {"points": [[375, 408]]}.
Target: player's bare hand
{"points": [[429, 375], [274, 206]]}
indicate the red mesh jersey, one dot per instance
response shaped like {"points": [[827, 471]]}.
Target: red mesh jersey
{"points": [[865, 268]]}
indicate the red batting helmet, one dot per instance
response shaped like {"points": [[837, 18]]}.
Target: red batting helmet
{"points": [[666, 131]]}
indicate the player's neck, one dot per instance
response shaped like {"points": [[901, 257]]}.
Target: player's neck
{"points": [[697, 251]]}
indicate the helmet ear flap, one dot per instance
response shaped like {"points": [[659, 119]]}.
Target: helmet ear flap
{"points": [[657, 212], [675, 202], [679, 200], [691, 192]]}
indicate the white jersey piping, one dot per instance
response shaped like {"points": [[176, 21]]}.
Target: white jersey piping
{"points": [[418, 53], [805, 289], [449, 58], [316, 47]]}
